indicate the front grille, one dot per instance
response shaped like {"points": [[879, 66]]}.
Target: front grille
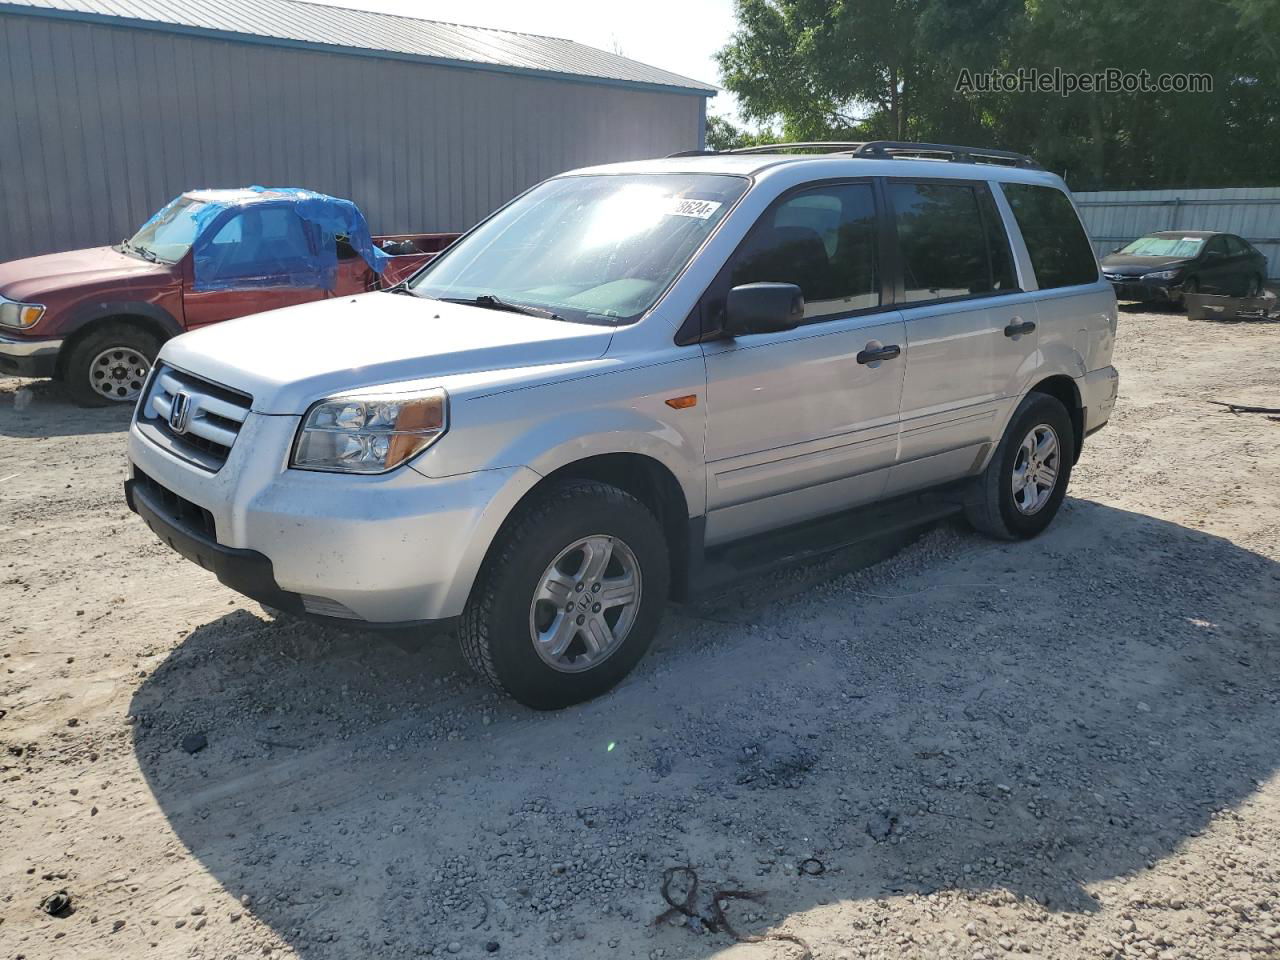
{"points": [[207, 421], [179, 509]]}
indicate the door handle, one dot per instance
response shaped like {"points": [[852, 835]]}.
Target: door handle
{"points": [[879, 353], [1018, 327]]}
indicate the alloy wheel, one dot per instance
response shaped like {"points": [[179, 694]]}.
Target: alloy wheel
{"points": [[585, 604], [1035, 469]]}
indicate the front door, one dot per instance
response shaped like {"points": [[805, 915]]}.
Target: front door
{"points": [[254, 260], [970, 331], [804, 422]]}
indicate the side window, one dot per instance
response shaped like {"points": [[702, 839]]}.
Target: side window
{"points": [[1236, 247], [1216, 247], [947, 246], [824, 241], [262, 245], [1060, 251]]}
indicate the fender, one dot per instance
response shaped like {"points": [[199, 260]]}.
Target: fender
{"points": [[553, 425], [91, 311], [628, 436]]}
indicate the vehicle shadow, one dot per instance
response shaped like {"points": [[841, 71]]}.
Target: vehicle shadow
{"points": [[998, 720], [41, 408]]}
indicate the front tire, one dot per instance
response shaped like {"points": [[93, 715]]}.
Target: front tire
{"points": [[1023, 486], [110, 364], [570, 596]]}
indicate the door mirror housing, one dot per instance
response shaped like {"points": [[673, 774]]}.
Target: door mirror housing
{"points": [[763, 308]]}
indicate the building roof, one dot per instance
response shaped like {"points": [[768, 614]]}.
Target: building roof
{"points": [[295, 23]]}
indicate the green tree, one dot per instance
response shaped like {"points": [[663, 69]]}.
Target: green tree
{"points": [[873, 69]]}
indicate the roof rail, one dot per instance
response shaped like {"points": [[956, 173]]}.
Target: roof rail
{"points": [[947, 151], [886, 149], [820, 146]]}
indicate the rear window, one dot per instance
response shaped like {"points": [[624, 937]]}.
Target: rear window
{"points": [[1060, 252], [950, 241]]}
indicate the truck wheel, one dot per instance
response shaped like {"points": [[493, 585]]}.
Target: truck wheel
{"points": [[1019, 493], [110, 364], [570, 596]]}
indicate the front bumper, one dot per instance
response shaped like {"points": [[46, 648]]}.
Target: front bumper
{"points": [[390, 550], [1147, 291], [28, 358]]}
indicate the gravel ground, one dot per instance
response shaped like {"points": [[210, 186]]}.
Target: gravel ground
{"points": [[1061, 748]]}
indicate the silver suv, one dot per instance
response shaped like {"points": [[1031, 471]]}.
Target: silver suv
{"points": [[638, 382]]}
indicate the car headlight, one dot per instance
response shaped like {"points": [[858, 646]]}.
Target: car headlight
{"points": [[1163, 275], [20, 315], [369, 434]]}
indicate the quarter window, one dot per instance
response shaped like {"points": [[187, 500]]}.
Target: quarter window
{"points": [[950, 240], [1060, 251], [822, 240]]}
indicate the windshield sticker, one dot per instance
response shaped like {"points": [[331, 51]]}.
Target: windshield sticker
{"points": [[699, 209]]}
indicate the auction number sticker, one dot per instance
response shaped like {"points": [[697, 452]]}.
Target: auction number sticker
{"points": [[699, 209]]}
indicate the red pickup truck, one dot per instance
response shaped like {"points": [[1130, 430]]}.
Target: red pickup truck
{"points": [[95, 318]]}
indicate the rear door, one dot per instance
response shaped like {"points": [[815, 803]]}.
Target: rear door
{"points": [[1219, 271], [1076, 307], [971, 330], [256, 259], [804, 422]]}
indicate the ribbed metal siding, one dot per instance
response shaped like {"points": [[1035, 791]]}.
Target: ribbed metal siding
{"points": [[293, 21], [1114, 217], [101, 125]]}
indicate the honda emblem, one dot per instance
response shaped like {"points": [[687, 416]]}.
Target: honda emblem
{"points": [[180, 413]]}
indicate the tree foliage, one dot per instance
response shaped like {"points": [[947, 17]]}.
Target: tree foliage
{"points": [[888, 69]]}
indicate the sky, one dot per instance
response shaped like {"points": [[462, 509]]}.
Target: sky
{"points": [[677, 35]]}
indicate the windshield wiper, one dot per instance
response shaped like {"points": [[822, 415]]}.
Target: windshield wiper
{"points": [[490, 302], [142, 252]]}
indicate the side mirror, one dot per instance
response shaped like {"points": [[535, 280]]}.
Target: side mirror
{"points": [[763, 308]]}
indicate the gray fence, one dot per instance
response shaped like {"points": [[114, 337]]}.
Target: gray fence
{"points": [[1114, 217]]}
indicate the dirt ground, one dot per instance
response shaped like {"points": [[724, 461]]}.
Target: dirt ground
{"points": [[1060, 748]]}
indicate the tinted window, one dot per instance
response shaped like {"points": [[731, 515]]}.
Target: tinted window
{"points": [[1217, 247], [945, 242], [822, 240], [1237, 247], [1060, 252]]}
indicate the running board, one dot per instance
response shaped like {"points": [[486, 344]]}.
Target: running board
{"points": [[716, 569]]}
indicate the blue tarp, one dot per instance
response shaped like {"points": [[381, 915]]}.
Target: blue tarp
{"points": [[279, 236]]}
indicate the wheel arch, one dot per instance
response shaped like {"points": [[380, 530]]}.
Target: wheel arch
{"points": [[646, 478], [1064, 390], [146, 316]]}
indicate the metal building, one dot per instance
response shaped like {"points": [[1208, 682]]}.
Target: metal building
{"points": [[109, 108]]}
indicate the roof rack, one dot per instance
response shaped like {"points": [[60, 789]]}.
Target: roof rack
{"points": [[887, 149]]}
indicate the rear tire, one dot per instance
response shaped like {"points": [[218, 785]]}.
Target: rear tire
{"points": [[1002, 509], [548, 621], [109, 364]]}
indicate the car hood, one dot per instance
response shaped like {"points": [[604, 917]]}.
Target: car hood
{"points": [[35, 277], [288, 359], [1130, 266]]}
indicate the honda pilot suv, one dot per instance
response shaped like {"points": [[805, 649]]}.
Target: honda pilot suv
{"points": [[636, 383]]}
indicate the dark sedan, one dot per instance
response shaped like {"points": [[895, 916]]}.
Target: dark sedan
{"points": [[1164, 266]]}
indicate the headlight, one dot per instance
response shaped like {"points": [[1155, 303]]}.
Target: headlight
{"points": [[369, 434], [1163, 275], [20, 315]]}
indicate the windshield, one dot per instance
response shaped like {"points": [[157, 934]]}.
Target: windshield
{"points": [[593, 249], [169, 234], [1154, 246]]}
